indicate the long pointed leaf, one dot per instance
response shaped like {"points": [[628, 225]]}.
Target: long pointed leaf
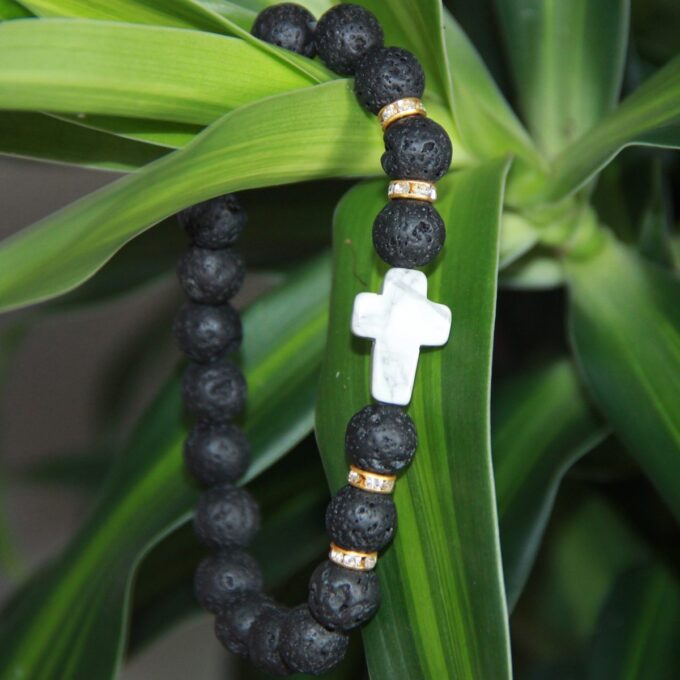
{"points": [[443, 573], [486, 123], [542, 424], [178, 13], [567, 58], [650, 116], [68, 622], [625, 329], [9, 9], [132, 70], [163, 133], [312, 133], [638, 630], [35, 135]]}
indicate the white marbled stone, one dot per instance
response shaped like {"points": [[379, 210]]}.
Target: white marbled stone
{"points": [[400, 320]]}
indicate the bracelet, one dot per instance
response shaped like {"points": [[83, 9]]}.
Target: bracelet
{"points": [[381, 438]]}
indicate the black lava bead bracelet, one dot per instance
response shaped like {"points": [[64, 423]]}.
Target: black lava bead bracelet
{"points": [[380, 439]]}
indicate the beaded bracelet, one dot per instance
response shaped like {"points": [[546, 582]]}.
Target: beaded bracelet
{"points": [[381, 438]]}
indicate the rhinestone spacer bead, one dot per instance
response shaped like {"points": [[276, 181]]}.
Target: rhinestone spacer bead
{"points": [[412, 188], [371, 481], [352, 559], [409, 106]]}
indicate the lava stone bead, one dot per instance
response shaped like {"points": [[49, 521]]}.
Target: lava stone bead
{"points": [[233, 624], [210, 276], [203, 332], [264, 641], [416, 148], [222, 579], [361, 520], [344, 34], [216, 223], [226, 516], [216, 452], [408, 233], [307, 647], [343, 599], [214, 392], [287, 25], [386, 74], [381, 438]]}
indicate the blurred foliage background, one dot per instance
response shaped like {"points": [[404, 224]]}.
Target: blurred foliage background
{"points": [[554, 548]]}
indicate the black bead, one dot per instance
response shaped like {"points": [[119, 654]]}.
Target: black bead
{"points": [[408, 233], [344, 34], [210, 276], [264, 640], [416, 148], [214, 391], [222, 579], [387, 74], [343, 599], [361, 520], [381, 438], [203, 332], [216, 452], [226, 516], [216, 223], [307, 647], [233, 624], [287, 25]]}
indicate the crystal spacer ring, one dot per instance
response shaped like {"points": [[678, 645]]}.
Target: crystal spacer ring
{"points": [[370, 481], [412, 188], [352, 559], [409, 106]]}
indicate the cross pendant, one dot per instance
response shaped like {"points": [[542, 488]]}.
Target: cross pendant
{"points": [[400, 320]]}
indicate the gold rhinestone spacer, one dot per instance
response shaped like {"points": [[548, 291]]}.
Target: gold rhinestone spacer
{"points": [[352, 559], [408, 106], [370, 481], [412, 188]]}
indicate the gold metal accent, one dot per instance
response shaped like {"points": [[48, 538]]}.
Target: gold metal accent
{"points": [[352, 559], [371, 481], [412, 188], [408, 106]]}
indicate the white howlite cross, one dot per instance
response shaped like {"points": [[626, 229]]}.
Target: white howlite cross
{"points": [[400, 321]]}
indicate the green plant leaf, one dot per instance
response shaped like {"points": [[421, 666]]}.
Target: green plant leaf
{"points": [[133, 70], [487, 125], [417, 25], [567, 58], [180, 14], [9, 9], [637, 631], [233, 11], [538, 269], [654, 241], [588, 546], [541, 426], [518, 236], [68, 622], [650, 117], [320, 132], [35, 135], [160, 132], [625, 329], [450, 594]]}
